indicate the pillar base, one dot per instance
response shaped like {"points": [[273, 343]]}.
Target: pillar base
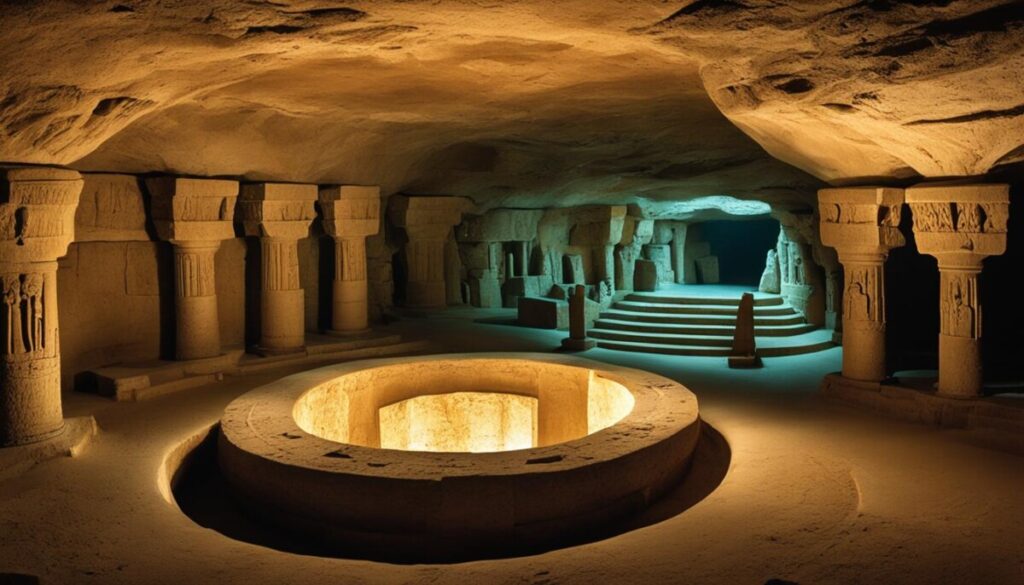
{"points": [[72, 438], [573, 344], [272, 351], [348, 332]]}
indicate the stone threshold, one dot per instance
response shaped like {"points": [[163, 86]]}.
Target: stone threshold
{"points": [[994, 421]]}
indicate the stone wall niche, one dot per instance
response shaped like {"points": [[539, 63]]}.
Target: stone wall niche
{"points": [[428, 223], [37, 223], [279, 215], [195, 216], [960, 225], [862, 224], [350, 214]]}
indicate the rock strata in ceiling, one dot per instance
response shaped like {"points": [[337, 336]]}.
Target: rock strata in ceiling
{"points": [[517, 103]]}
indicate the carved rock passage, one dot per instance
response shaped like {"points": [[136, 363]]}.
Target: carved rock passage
{"points": [[514, 104], [851, 89]]}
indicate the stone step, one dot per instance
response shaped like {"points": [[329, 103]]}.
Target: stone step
{"points": [[728, 330], [663, 338], [764, 301], [672, 308], [681, 319], [772, 347]]}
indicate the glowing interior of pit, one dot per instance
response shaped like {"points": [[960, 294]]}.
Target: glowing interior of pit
{"points": [[467, 406], [467, 422]]}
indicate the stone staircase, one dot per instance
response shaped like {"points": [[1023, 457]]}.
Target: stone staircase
{"points": [[704, 326]]}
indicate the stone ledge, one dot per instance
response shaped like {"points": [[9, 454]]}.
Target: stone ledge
{"points": [[995, 422], [75, 437]]}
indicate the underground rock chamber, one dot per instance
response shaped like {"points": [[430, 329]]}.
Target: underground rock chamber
{"points": [[454, 457]]}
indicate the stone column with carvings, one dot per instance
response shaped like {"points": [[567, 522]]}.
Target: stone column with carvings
{"points": [[350, 214], [37, 223], [194, 215], [960, 225], [428, 222], [862, 224], [279, 214]]}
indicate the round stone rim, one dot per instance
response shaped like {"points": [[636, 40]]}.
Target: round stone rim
{"points": [[433, 502]]}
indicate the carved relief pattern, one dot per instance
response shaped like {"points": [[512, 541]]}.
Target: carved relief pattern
{"points": [[203, 208], [961, 314], [863, 298], [280, 263], [869, 214], [966, 217], [994, 217], [355, 209], [350, 259], [194, 272], [29, 322]]}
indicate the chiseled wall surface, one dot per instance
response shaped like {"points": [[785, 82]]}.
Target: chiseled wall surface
{"points": [[116, 288], [111, 310]]}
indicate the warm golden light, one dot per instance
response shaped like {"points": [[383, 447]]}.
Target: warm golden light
{"points": [[469, 422]]}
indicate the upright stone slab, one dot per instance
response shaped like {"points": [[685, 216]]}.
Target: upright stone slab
{"points": [[862, 224], [279, 214], [960, 225], [428, 222], [194, 215], [350, 214], [744, 347], [770, 277], [578, 340], [37, 223]]}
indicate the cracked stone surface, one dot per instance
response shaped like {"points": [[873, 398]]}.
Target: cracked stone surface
{"points": [[516, 103]]}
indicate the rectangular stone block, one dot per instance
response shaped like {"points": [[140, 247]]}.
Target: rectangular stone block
{"points": [[707, 269], [110, 209]]}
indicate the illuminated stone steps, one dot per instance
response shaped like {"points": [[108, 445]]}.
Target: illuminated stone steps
{"points": [[760, 299], [704, 326], [772, 330], [728, 320], [699, 309], [768, 347]]}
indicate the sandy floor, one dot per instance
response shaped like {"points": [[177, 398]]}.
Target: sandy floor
{"points": [[815, 493]]}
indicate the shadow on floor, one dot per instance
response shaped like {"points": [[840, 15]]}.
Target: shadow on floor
{"points": [[204, 496]]}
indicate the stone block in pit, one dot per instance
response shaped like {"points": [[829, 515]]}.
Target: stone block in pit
{"points": [[645, 277], [707, 269]]}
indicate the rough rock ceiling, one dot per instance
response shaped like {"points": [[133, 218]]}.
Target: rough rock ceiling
{"points": [[516, 103]]}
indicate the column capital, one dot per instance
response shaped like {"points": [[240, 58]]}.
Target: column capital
{"points": [[37, 212], [186, 209], [350, 211], [277, 210], [861, 220], [427, 217], [960, 224]]}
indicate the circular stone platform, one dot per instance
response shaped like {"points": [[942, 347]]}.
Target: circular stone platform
{"points": [[302, 453]]}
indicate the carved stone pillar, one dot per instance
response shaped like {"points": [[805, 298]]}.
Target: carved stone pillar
{"points": [[862, 224], [960, 225], [37, 223], [427, 222], [279, 214], [195, 215], [350, 214], [600, 229]]}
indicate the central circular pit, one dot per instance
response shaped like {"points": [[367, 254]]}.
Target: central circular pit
{"points": [[455, 455]]}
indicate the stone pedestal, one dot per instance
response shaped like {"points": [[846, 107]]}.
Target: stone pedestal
{"points": [[578, 340], [37, 223], [351, 213], [428, 223], [195, 215], [862, 224], [279, 215], [960, 225]]}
